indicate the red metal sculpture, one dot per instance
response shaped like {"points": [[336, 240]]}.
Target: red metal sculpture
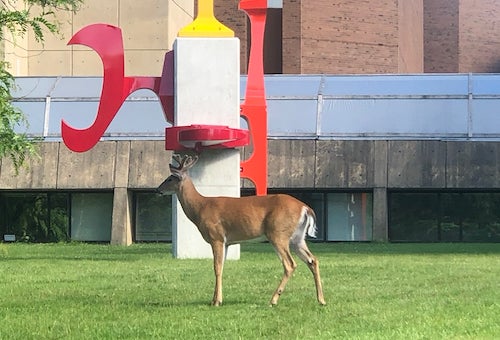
{"points": [[107, 41]]}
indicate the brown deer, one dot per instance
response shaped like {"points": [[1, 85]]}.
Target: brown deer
{"points": [[223, 221]]}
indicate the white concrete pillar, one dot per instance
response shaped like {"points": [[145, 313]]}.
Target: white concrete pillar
{"points": [[207, 91]]}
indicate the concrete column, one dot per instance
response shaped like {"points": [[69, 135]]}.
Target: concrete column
{"points": [[380, 206], [121, 224], [121, 231], [380, 215], [207, 92]]}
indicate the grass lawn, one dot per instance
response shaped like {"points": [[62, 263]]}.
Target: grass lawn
{"points": [[373, 291]]}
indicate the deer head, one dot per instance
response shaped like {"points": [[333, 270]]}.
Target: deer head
{"points": [[178, 173]]}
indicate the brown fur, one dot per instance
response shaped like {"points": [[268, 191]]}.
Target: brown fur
{"points": [[226, 220]]}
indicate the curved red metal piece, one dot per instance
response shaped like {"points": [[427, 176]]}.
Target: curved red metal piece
{"points": [[254, 108], [107, 41]]}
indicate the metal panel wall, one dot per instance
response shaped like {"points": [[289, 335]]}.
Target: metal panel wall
{"points": [[423, 106]]}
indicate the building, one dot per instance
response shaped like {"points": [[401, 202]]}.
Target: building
{"points": [[423, 167]]}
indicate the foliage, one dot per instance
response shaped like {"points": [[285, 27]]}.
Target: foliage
{"points": [[14, 145], [34, 16], [373, 291]]}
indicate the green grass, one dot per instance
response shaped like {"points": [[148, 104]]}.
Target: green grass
{"points": [[373, 291]]}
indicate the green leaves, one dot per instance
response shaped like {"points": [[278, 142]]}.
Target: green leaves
{"points": [[38, 17], [16, 146]]}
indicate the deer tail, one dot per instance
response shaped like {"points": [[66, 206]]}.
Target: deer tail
{"points": [[306, 225], [310, 221]]}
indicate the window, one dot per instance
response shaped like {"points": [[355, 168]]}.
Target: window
{"points": [[444, 216], [153, 217], [34, 216], [59, 216], [349, 216], [91, 216], [413, 217]]}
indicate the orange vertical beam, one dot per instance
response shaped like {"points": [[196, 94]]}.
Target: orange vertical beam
{"points": [[254, 108]]}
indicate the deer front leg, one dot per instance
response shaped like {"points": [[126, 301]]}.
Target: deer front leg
{"points": [[218, 253]]}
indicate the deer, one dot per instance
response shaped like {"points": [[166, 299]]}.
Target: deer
{"points": [[223, 221]]}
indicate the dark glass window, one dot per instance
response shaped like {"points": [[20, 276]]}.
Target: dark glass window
{"points": [[444, 217], [153, 217], [34, 217], [480, 217], [413, 217]]}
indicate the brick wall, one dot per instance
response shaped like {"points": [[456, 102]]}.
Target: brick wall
{"points": [[292, 43], [461, 36], [479, 41], [441, 28], [346, 36], [411, 36], [380, 36]]}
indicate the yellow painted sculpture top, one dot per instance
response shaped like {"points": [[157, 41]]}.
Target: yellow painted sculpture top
{"points": [[205, 24]]}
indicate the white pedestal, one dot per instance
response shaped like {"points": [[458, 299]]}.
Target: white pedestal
{"points": [[207, 91]]}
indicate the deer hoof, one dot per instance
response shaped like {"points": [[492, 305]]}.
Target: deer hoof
{"points": [[216, 303]]}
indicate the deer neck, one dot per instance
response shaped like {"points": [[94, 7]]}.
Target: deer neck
{"points": [[191, 200]]}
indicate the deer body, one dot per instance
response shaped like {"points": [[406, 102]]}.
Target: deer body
{"points": [[223, 221]]}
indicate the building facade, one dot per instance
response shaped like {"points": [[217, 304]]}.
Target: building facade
{"points": [[149, 28], [412, 183], [379, 190], [303, 37]]}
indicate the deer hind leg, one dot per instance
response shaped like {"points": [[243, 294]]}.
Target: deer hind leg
{"points": [[303, 252], [218, 253], [289, 266]]}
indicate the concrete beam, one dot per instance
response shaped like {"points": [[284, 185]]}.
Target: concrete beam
{"points": [[148, 164], [39, 173], [416, 164], [87, 170], [345, 164], [291, 163]]}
